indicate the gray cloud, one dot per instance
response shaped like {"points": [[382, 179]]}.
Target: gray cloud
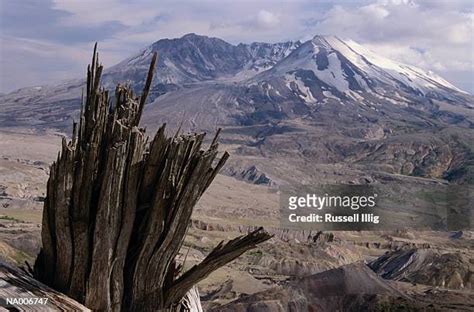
{"points": [[39, 20], [435, 35]]}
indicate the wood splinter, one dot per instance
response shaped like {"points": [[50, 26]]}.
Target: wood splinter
{"points": [[117, 208]]}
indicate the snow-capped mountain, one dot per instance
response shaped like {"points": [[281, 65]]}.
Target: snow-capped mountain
{"points": [[327, 67], [193, 58], [190, 58], [326, 100], [261, 79]]}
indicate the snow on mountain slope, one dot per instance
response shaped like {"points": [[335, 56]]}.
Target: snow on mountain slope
{"points": [[194, 58], [262, 56], [365, 59], [307, 58], [281, 79], [191, 58], [266, 55], [328, 64]]}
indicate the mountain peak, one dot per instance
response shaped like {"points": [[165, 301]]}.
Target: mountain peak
{"points": [[194, 36], [323, 70], [349, 67], [190, 35], [187, 38], [324, 37], [324, 40]]}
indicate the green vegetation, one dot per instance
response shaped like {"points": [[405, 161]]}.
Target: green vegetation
{"points": [[9, 218], [255, 253]]}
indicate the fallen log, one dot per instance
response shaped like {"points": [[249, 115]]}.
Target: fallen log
{"points": [[17, 285], [118, 208]]}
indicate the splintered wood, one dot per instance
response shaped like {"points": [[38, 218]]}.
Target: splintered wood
{"points": [[118, 208]]}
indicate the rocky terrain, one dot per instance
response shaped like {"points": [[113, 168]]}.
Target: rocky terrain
{"points": [[322, 111], [427, 266], [269, 275]]}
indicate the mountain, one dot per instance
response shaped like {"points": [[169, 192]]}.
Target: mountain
{"points": [[323, 102], [190, 58], [182, 61], [327, 67], [264, 56], [193, 58]]}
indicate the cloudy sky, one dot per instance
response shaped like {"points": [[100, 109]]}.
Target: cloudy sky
{"points": [[46, 41]]}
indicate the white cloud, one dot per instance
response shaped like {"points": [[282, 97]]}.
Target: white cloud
{"points": [[438, 37], [267, 19], [375, 11], [435, 35]]}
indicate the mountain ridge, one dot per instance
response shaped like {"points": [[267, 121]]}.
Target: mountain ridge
{"points": [[261, 56], [335, 65], [313, 102]]}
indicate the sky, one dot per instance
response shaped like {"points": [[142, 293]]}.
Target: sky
{"points": [[48, 41]]}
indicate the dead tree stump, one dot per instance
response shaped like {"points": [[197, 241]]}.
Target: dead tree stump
{"points": [[118, 208]]}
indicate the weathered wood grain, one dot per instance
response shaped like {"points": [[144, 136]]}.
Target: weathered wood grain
{"points": [[15, 283], [118, 209]]}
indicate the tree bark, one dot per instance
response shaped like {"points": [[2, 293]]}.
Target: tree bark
{"points": [[117, 208]]}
